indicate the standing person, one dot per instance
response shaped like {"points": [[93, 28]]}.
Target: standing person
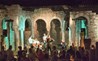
{"points": [[3, 54], [54, 54], [48, 45], [10, 54], [44, 40], [40, 55], [24, 58], [92, 53], [62, 54], [32, 54], [20, 53], [46, 56], [25, 49]]}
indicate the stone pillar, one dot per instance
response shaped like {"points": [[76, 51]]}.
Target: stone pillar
{"points": [[35, 32], [72, 27], [32, 27], [70, 39], [17, 36], [21, 32], [63, 30], [48, 28]]}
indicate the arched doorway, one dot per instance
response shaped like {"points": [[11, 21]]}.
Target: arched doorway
{"points": [[28, 31], [41, 28], [81, 26], [55, 30], [8, 33]]}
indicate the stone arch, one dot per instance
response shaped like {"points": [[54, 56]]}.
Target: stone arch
{"points": [[41, 29], [28, 24], [55, 30], [82, 16], [28, 31], [8, 33], [59, 19], [81, 26]]}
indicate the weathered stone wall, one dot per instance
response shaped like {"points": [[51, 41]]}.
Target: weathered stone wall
{"points": [[14, 12], [47, 15], [92, 24], [2, 15]]}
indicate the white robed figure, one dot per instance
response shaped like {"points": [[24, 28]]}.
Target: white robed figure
{"points": [[45, 39], [30, 40], [33, 41]]}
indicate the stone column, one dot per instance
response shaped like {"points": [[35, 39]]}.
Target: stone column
{"points": [[32, 29], [35, 32], [48, 28], [32, 26], [63, 30], [72, 27], [17, 36], [21, 32]]}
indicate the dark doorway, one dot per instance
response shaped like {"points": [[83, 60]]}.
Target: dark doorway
{"points": [[55, 30], [28, 31], [81, 26], [41, 28]]}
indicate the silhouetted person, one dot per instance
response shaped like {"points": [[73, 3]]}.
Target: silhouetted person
{"points": [[10, 54], [3, 54], [48, 44], [20, 53], [62, 54], [54, 54], [46, 56], [92, 53], [87, 56], [25, 49], [24, 58], [32, 54], [40, 55], [78, 55], [71, 51], [82, 52], [67, 57]]}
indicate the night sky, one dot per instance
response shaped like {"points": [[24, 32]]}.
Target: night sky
{"points": [[49, 2]]}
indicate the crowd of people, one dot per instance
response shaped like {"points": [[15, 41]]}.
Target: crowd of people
{"points": [[48, 54]]}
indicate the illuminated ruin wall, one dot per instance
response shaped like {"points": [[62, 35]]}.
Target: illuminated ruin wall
{"points": [[20, 33], [91, 25], [19, 16]]}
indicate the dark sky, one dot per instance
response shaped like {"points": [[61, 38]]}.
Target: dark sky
{"points": [[49, 2]]}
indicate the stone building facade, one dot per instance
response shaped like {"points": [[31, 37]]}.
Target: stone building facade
{"points": [[55, 21]]}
